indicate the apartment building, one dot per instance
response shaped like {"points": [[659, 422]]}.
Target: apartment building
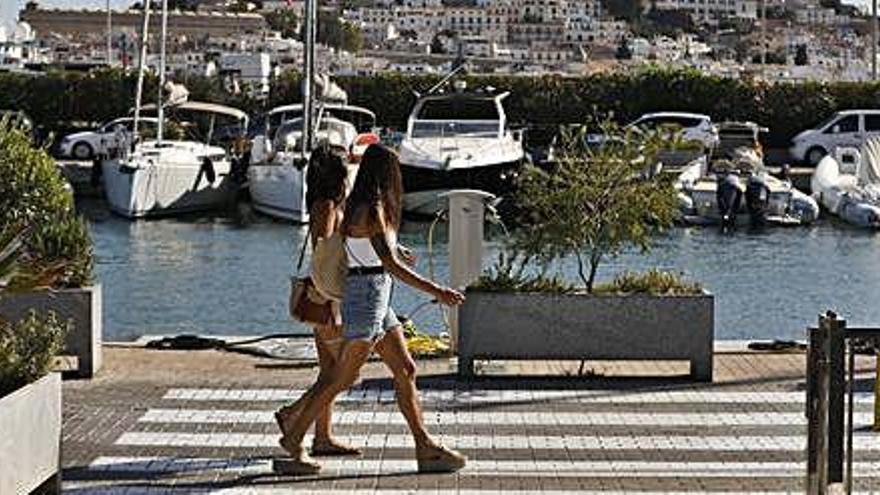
{"points": [[712, 11]]}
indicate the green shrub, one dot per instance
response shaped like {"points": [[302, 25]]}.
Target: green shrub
{"points": [[596, 201], [34, 195], [508, 274], [28, 349], [59, 98], [654, 282]]}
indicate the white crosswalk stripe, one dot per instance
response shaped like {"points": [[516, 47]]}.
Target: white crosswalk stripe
{"points": [[513, 396], [550, 418], [862, 442], [631, 469]]}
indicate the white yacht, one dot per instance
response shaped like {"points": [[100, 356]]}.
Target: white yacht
{"points": [[167, 177], [279, 161], [457, 140], [847, 183], [163, 176]]}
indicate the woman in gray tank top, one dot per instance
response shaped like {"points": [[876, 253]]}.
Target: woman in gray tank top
{"points": [[372, 213]]}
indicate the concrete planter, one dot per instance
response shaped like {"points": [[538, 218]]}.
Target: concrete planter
{"points": [[583, 326], [83, 306], [30, 446]]}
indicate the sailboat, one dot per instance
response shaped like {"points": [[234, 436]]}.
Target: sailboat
{"points": [[161, 177], [276, 176]]}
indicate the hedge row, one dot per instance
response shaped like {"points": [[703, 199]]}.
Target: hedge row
{"points": [[786, 108]]}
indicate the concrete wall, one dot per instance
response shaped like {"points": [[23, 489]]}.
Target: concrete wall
{"points": [[83, 306]]}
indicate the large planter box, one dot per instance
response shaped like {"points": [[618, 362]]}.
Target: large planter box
{"points": [[30, 443], [582, 326], [83, 306]]}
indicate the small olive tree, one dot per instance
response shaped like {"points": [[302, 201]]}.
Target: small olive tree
{"points": [[601, 195]]}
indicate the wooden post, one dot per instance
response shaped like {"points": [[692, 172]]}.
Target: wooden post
{"points": [[817, 409], [836, 396], [877, 390]]}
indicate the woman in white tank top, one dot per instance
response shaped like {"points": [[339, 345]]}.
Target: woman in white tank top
{"points": [[370, 224]]}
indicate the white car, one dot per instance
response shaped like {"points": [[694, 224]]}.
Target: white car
{"points": [[849, 128], [694, 126], [90, 144]]}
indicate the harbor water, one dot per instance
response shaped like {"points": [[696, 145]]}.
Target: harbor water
{"points": [[230, 274]]}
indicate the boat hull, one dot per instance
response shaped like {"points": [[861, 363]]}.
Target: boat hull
{"points": [[279, 191], [785, 206], [141, 186], [424, 186]]}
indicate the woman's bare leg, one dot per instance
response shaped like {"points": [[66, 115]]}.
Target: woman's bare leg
{"points": [[353, 355], [431, 456], [328, 341], [392, 349]]}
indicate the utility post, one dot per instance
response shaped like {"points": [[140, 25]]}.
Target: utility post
{"points": [[109, 35], [873, 40]]}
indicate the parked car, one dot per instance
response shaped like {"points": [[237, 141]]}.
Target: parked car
{"points": [[89, 144], [693, 126], [849, 128]]}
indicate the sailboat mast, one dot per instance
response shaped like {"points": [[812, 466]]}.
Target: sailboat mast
{"points": [[309, 76], [160, 107], [139, 91]]}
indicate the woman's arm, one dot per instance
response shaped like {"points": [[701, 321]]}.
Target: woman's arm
{"points": [[388, 254]]}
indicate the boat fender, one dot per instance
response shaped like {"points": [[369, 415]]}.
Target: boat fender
{"points": [[207, 168]]}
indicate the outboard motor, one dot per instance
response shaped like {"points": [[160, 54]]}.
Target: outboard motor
{"points": [[728, 196], [757, 199]]}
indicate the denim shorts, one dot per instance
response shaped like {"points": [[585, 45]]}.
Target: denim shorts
{"points": [[366, 307]]}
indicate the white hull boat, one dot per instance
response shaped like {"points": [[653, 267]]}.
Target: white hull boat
{"points": [[457, 141], [176, 177], [277, 175], [848, 184], [165, 176], [734, 188]]}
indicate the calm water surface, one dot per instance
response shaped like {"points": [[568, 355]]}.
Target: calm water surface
{"points": [[230, 276]]}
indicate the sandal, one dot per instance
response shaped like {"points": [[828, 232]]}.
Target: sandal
{"points": [[439, 459], [334, 448], [298, 464]]}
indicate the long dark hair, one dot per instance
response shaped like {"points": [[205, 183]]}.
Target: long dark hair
{"points": [[378, 183], [325, 177]]}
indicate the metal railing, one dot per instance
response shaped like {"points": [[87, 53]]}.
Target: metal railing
{"points": [[830, 383]]}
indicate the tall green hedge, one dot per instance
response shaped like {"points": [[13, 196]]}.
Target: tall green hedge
{"points": [[785, 108]]}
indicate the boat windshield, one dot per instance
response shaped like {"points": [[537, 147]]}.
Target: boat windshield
{"points": [[457, 115], [335, 131]]}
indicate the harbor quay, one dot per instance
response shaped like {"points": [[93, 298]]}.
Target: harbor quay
{"points": [[159, 421]]}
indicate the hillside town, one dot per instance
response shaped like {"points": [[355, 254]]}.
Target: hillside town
{"points": [[250, 41]]}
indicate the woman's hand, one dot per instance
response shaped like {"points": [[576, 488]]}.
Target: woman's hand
{"points": [[406, 255], [450, 297]]}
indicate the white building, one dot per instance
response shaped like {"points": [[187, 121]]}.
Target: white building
{"points": [[712, 11]]}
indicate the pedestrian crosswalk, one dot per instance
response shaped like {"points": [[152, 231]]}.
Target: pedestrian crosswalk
{"points": [[559, 442]]}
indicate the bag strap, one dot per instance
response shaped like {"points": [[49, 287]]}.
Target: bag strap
{"points": [[302, 251]]}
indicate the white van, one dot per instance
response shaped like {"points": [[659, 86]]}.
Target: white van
{"points": [[847, 128]]}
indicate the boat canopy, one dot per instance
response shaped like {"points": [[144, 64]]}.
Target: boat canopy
{"points": [[196, 106], [297, 108]]}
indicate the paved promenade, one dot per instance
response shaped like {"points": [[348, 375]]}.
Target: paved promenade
{"points": [[201, 421]]}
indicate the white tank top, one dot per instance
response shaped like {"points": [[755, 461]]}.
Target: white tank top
{"points": [[360, 251]]}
